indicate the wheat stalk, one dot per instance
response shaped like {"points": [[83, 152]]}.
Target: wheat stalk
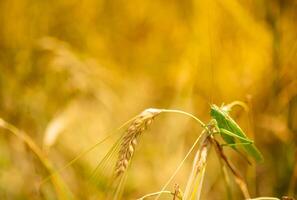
{"points": [[129, 141], [195, 181], [237, 177], [60, 187]]}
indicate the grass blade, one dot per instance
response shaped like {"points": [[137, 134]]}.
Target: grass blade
{"points": [[61, 188], [195, 181]]}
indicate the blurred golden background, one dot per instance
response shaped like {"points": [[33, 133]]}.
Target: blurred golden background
{"points": [[70, 71]]}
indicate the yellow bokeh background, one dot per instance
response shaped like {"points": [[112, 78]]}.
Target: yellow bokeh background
{"points": [[71, 71]]}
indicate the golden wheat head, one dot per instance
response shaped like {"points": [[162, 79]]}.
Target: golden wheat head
{"points": [[129, 141]]}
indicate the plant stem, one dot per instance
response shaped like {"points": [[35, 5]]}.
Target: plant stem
{"points": [[185, 113], [60, 187], [154, 194], [181, 163]]}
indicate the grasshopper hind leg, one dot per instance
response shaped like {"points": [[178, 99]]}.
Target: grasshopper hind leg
{"points": [[236, 144], [244, 140]]}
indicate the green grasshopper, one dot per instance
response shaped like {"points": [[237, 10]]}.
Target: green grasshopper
{"points": [[221, 123], [230, 131]]}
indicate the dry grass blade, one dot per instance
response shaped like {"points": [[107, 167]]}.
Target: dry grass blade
{"points": [[182, 162], [157, 193], [176, 194], [195, 181], [60, 188], [238, 178], [111, 134]]}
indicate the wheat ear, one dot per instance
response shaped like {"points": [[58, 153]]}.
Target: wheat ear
{"points": [[129, 141]]}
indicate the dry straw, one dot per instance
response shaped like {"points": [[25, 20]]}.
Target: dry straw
{"points": [[195, 181], [62, 191]]}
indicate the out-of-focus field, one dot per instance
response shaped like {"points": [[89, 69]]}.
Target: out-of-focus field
{"points": [[71, 71]]}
